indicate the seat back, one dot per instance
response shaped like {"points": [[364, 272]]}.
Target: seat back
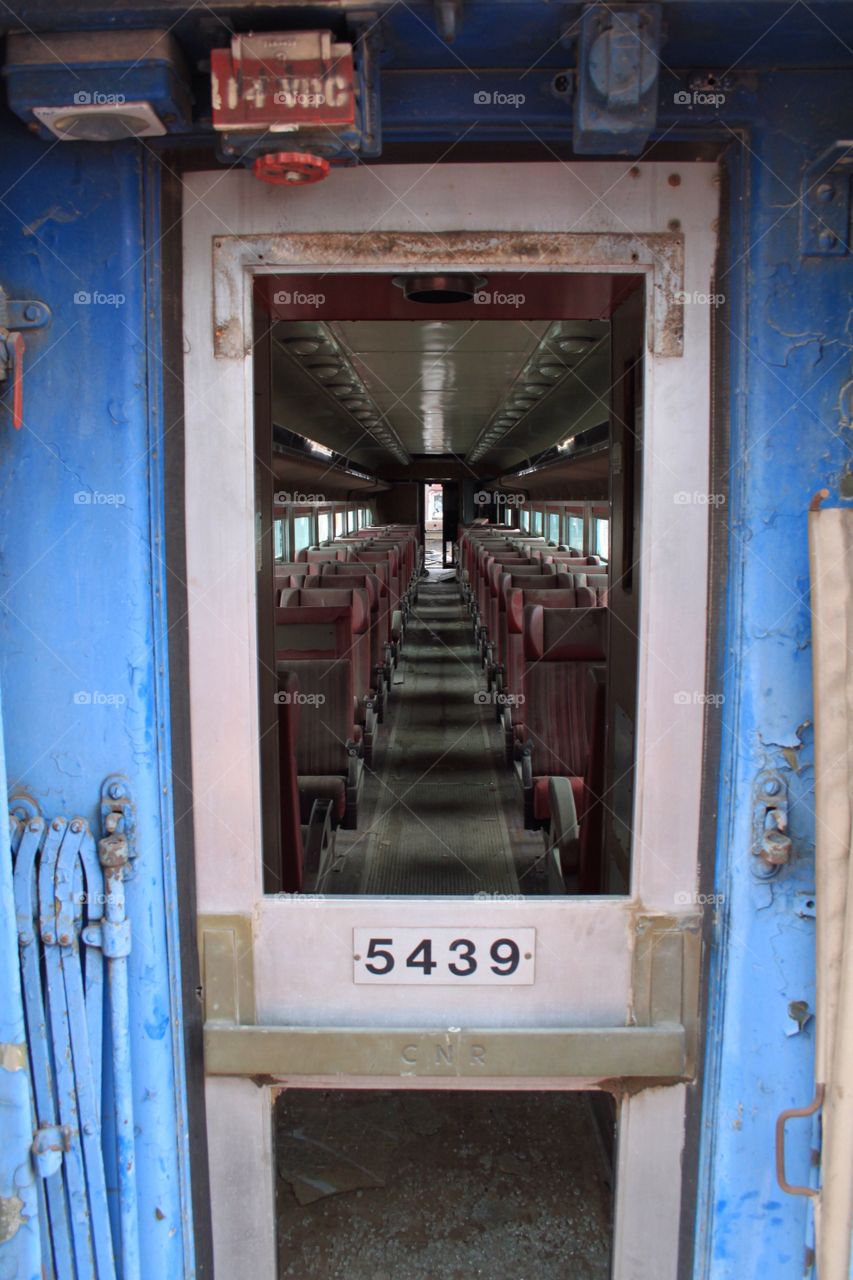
{"points": [[357, 601], [559, 647], [549, 555], [363, 580], [391, 561], [325, 720], [319, 555], [596, 582], [290, 573], [557, 593]]}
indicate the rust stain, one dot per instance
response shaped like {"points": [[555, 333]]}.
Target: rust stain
{"points": [[11, 1218], [13, 1057]]}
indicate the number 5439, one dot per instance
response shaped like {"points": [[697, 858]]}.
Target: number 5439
{"points": [[441, 956]]}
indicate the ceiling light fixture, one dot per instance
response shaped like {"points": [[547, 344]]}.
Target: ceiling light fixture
{"points": [[440, 289]]}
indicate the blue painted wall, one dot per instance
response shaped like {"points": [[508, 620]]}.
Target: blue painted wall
{"points": [[791, 350], [82, 581]]}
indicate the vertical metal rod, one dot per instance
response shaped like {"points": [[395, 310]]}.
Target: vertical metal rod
{"points": [[114, 859], [20, 1238]]}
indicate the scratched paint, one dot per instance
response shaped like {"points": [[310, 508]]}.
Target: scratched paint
{"points": [[790, 347]]}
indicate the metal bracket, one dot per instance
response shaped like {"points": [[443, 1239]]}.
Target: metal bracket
{"points": [[112, 937], [118, 812], [616, 100], [825, 203], [50, 1143], [771, 846], [666, 975], [22, 313]]}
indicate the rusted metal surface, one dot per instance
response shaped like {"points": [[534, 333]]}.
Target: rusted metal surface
{"points": [[660, 256]]}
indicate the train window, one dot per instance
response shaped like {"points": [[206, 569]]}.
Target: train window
{"points": [[574, 532], [524, 520], [553, 528], [537, 521], [339, 523], [301, 533], [601, 537], [364, 517], [324, 526], [352, 520], [278, 540]]}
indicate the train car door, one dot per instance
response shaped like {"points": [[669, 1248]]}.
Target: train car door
{"points": [[610, 990]]}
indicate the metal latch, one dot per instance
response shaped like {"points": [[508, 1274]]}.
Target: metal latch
{"points": [[50, 1144], [16, 315], [771, 845]]}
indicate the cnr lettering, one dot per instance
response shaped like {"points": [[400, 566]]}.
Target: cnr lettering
{"points": [[442, 1055]]}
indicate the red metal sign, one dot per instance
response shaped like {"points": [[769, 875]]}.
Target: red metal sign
{"points": [[282, 81]]}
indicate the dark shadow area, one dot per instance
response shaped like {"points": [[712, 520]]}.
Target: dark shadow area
{"points": [[417, 1185]]}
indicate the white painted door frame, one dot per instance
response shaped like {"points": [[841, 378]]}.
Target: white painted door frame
{"points": [[580, 217]]}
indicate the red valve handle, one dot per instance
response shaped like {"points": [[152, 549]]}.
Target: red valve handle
{"points": [[14, 354], [290, 168], [16, 341]]}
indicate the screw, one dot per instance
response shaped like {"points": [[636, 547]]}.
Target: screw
{"points": [[64, 939], [35, 825], [825, 192], [76, 825], [88, 1127], [115, 791], [57, 824], [827, 239], [31, 312], [674, 179], [771, 787]]}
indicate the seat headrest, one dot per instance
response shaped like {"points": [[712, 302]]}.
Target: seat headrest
{"points": [[565, 635], [353, 581], [354, 598], [313, 631], [560, 595]]}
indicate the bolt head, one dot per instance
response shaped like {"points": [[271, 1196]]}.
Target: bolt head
{"points": [[771, 787]]}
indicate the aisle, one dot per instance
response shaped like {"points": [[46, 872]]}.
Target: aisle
{"points": [[434, 815]]}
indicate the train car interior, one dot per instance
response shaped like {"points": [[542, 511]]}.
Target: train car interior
{"points": [[448, 499]]}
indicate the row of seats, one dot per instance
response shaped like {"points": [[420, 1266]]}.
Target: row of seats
{"points": [[539, 619], [340, 615]]}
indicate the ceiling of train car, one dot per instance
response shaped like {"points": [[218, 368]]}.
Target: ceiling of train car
{"points": [[495, 391]]}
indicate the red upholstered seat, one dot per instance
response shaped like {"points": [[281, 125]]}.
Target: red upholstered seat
{"points": [[559, 596], [560, 645], [357, 599], [360, 578], [314, 642]]}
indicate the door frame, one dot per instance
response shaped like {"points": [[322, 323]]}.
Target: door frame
{"points": [[612, 218]]}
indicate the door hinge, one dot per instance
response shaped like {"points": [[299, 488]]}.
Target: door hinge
{"points": [[15, 315]]}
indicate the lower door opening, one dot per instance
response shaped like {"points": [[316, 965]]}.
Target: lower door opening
{"points": [[415, 1185]]}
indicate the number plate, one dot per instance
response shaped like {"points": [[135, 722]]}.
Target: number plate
{"points": [[445, 957]]}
